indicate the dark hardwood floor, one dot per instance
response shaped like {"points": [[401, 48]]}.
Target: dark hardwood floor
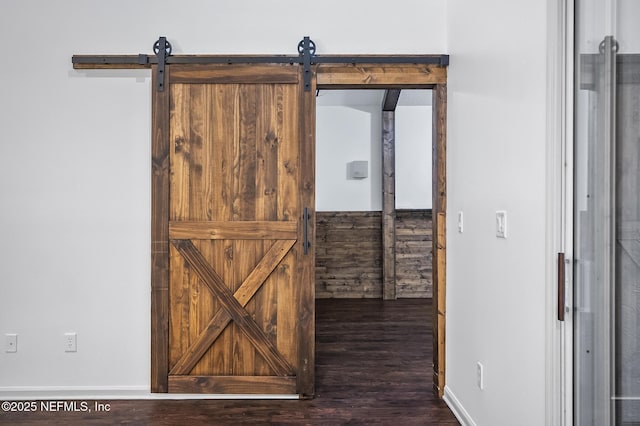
{"points": [[373, 368]]}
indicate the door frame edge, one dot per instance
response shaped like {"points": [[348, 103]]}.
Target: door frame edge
{"points": [[559, 211]]}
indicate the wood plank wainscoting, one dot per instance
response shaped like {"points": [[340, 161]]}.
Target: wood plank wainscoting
{"points": [[349, 254], [373, 367], [414, 245]]}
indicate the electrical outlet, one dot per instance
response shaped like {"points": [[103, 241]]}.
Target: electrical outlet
{"points": [[480, 375], [70, 342], [11, 343]]}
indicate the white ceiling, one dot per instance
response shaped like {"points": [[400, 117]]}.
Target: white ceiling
{"points": [[408, 97]]}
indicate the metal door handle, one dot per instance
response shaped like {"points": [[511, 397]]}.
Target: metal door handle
{"points": [[306, 244], [561, 286]]}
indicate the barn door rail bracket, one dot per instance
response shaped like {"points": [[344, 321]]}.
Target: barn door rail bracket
{"points": [[162, 48], [307, 51], [306, 57]]}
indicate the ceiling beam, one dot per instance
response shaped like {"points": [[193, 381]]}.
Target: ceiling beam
{"points": [[390, 101]]}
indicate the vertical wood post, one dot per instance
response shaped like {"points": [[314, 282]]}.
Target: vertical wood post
{"points": [[388, 206], [160, 236], [439, 234], [306, 309]]}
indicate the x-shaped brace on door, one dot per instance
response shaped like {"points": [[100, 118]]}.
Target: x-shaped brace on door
{"points": [[233, 307]]}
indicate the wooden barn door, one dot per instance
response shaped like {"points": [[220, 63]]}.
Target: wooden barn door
{"points": [[240, 214]]}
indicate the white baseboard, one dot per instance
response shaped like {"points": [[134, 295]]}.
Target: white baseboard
{"points": [[24, 393], [456, 407]]}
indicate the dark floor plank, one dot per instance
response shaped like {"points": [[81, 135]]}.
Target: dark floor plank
{"points": [[373, 367]]}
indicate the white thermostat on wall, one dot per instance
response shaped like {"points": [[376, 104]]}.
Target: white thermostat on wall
{"points": [[358, 169]]}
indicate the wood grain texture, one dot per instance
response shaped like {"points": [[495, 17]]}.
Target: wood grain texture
{"points": [[368, 373], [440, 238], [238, 385], [390, 76], [237, 274], [239, 315], [243, 295], [236, 73], [349, 255], [239, 230], [414, 245], [388, 205], [160, 239], [306, 350]]}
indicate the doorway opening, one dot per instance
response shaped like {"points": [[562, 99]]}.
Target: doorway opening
{"points": [[350, 176], [374, 225]]}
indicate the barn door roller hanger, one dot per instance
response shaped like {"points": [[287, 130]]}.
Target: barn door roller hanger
{"points": [[306, 57]]}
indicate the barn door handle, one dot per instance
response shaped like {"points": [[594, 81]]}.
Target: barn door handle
{"points": [[305, 220]]}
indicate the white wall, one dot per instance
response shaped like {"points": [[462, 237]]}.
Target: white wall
{"points": [[413, 157], [75, 187], [348, 128], [345, 134], [496, 161], [74, 162]]}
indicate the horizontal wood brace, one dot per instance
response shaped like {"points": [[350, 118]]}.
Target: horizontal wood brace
{"points": [[237, 73], [233, 384], [394, 76], [239, 230]]}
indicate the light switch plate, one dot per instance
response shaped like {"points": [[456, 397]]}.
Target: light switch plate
{"points": [[460, 222], [501, 224]]}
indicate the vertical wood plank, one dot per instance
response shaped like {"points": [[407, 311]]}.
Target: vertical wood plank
{"points": [[198, 177], [267, 155], [243, 350], [439, 238], [223, 137], [180, 151], [267, 140], [244, 208], [178, 296], [226, 341], [212, 194], [266, 314], [244, 160], [288, 210], [160, 236], [288, 152], [206, 306], [217, 357], [226, 139], [388, 206], [195, 308], [306, 263], [191, 123]]}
